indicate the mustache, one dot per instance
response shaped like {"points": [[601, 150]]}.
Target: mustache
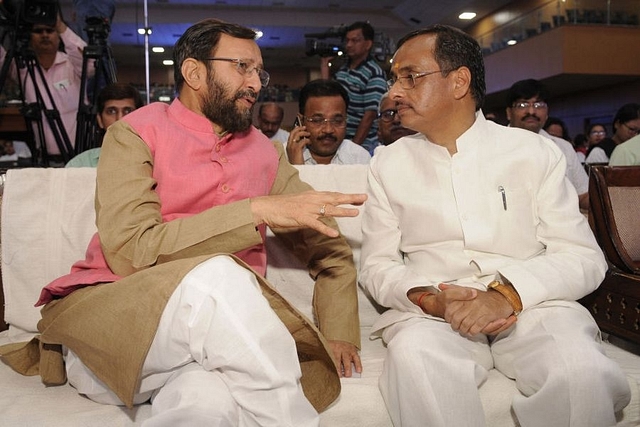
{"points": [[526, 116], [327, 136], [246, 94]]}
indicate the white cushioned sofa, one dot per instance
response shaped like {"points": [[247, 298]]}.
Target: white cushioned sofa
{"points": [[47, 219]]}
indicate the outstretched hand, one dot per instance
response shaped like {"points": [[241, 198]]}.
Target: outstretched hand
{"points": [[305, 209]]}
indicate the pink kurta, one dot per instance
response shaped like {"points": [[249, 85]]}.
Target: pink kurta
{"points": [[195, 170]]}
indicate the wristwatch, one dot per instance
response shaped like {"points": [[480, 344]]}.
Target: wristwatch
{"points": [[508, 291]]}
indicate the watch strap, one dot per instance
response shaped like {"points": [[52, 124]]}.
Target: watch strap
{"points": [[509, 292]]}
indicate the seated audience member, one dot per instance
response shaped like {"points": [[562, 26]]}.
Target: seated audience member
{"points": [[15, 151], [320, 139], [473, 240], [556, 127], [626, 125], [114, 102], [527, 109], [580, 142], [270, 117], [170, 302], [389, 127], [596, 132], [627, 153]]}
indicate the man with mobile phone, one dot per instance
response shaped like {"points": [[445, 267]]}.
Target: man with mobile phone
{"points": [[319, 135]]}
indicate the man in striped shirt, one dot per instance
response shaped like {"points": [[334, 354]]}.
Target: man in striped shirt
{"points": [[364, 81]]}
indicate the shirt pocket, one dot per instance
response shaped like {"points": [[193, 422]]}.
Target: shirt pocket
{"points": [[514, 219]]}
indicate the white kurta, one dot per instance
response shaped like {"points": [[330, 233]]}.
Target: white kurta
{"points": [[500, 206], [463, 230]]}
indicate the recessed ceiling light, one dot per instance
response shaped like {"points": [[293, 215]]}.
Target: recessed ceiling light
{"points": [[259, 33], [511, 42], [467, 15], [167, 62], [157, 49]]}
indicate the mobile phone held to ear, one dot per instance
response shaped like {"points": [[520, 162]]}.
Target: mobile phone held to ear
{"points": [[297, 122]]}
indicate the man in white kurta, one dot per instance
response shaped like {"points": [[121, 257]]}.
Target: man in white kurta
{"points": [[464, 203]]}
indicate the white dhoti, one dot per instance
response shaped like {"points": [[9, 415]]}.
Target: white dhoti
{"points": [[220, 357], [431, 373]]}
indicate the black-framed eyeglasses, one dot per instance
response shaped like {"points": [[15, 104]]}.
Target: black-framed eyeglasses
{"points": [[409, 81], [632, 130], [387, 115], [336, 122], [245, 69], [524, 105]]}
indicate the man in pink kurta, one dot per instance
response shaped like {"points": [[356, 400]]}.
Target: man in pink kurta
{"points": [[154, 311]]}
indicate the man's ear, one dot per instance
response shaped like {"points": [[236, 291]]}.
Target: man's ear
{"points": [[508, 111], [99, 120], [462, 82], [194, 73], [370, 43]]}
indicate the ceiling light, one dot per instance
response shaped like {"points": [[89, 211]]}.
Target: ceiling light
{"points": [[157, 49], [512, 42], [167, 62], [259, 34], [143, 31], [467, 15]]}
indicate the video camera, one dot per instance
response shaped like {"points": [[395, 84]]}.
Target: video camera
{"points": [[97, 29], [321, 48], [317, 43], [25, 13]]}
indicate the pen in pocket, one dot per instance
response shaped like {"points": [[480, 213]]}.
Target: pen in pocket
{"points": [[504, 197]]}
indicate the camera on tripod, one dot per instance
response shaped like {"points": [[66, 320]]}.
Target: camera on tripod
{"points": [[98, 30], [25, 13]]}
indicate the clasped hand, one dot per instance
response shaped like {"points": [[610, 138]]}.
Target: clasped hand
{"points": [[470, 311], [305, 209]]}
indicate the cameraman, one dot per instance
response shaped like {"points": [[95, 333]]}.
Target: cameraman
{"points": [[62, 73]]}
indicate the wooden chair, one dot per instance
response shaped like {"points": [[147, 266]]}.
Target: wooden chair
{"points": [[614, 195]]}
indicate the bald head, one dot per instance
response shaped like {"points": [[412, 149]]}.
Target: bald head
{"points": [[270, 117]]}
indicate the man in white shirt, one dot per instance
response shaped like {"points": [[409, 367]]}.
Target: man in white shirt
{"points": [[319, 139], [270, 117], [527, 108], [473, 240]]}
